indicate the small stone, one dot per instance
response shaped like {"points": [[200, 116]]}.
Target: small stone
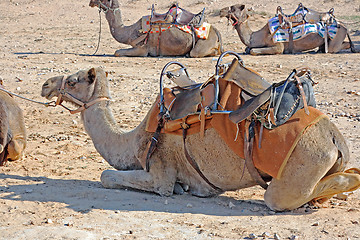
{"points": [[29, 190], [315, 224], [49, 221], [231, 205], [276, 236], [272, 213], [117, 211], [166, 202], [294, 237], [266, 235], [189, 205], [252, 236], [255, 209], [18, 88], [75, 122]]}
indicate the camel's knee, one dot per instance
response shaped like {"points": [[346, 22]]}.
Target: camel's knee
{"points": [[16, 149], [282, 201]]}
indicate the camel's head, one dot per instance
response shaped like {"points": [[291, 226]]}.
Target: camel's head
{"points": [[104, 4], [79, 86], [236, 13]]}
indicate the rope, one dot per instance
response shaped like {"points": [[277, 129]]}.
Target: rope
{"points": [[47, 104], [97, 48]]}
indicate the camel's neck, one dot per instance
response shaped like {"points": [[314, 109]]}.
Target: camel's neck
{"points": [[244, 32], [123, 34], [114, 145]]}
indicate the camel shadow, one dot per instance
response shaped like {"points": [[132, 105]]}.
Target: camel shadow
{"points": [[84, 196]]}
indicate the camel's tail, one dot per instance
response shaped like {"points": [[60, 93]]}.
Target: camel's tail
{"points": [[343, 151], [352, 46], [220, 40]]}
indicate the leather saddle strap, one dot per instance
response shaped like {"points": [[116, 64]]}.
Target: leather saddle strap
{"points": [[153, 144], [248, 148], [194, 164], [302, 93], [291, 40]]}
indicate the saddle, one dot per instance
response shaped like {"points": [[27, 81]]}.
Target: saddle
{"points": [[304, 15], [177, 15], [235, 92]]}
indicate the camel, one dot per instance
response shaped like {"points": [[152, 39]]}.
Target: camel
{"points": [[314, 169], [261, 43], [172, 42], [12, 129]]}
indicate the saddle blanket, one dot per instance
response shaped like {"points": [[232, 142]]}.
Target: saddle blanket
{"points": [[201, 32], [300, 31], [276, 144]]}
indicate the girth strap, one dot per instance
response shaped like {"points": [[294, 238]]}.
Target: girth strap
{"points": [[153, 144], [194, 164], [248, 150]]}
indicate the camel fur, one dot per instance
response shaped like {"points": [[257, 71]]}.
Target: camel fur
{"points": [[173, 42], [314, 170], [12, 129], [261, 43]]}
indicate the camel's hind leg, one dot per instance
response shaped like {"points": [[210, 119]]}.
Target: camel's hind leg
{"points": [[303, 178], [16, 147], [337, 43], [212, 46]]}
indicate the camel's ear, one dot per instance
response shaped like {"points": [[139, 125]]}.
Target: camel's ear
{"points": [[91, 75]]}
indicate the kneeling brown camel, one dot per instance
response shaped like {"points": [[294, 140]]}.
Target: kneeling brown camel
{"points": [[172, 42], [314, 169], [261, 42], [12, 129]]}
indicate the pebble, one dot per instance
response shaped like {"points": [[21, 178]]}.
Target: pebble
{"points": [[276, 236], [166, 202], [231, 205], [49, 221], [189, 205], [315, 224], [255, 209], [266, 235], [18, 88], [252, 236], [294, 237], [29, 190], [75, 122]]}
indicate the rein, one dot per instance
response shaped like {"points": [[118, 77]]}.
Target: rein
{"points": [[83, 105], [46, 104]]}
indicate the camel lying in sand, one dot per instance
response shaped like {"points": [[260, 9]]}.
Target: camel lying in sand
{"points": [[12, 129], [261, 41], [313, 171], [172, 42]]}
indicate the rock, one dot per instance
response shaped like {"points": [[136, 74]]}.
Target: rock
{"points": [[315, 224], [189, 205], [231, 205], [29, 190], [49, 221], [265, 235], [255, 209], [276, 236], [294, 237], [252, 236]]}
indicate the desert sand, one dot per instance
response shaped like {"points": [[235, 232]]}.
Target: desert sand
{"points": [[54, 192]]}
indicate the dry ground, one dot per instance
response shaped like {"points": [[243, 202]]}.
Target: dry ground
{"points": [[54, 191]]}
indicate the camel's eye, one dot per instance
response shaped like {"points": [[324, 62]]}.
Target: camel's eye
{"points": [[72, 82]]}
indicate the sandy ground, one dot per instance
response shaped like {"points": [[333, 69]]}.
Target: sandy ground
{"points": [[54, 191]]}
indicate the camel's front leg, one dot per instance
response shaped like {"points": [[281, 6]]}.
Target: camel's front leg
{"points": [[277, 49], [132, 52], [160, 179]]}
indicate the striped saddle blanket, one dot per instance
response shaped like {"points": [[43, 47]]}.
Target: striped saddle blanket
{"points": [[300, 31]]}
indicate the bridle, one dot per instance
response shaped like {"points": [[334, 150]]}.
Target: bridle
{"points": [[231, 15], [105, 8], [83, 105]]}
